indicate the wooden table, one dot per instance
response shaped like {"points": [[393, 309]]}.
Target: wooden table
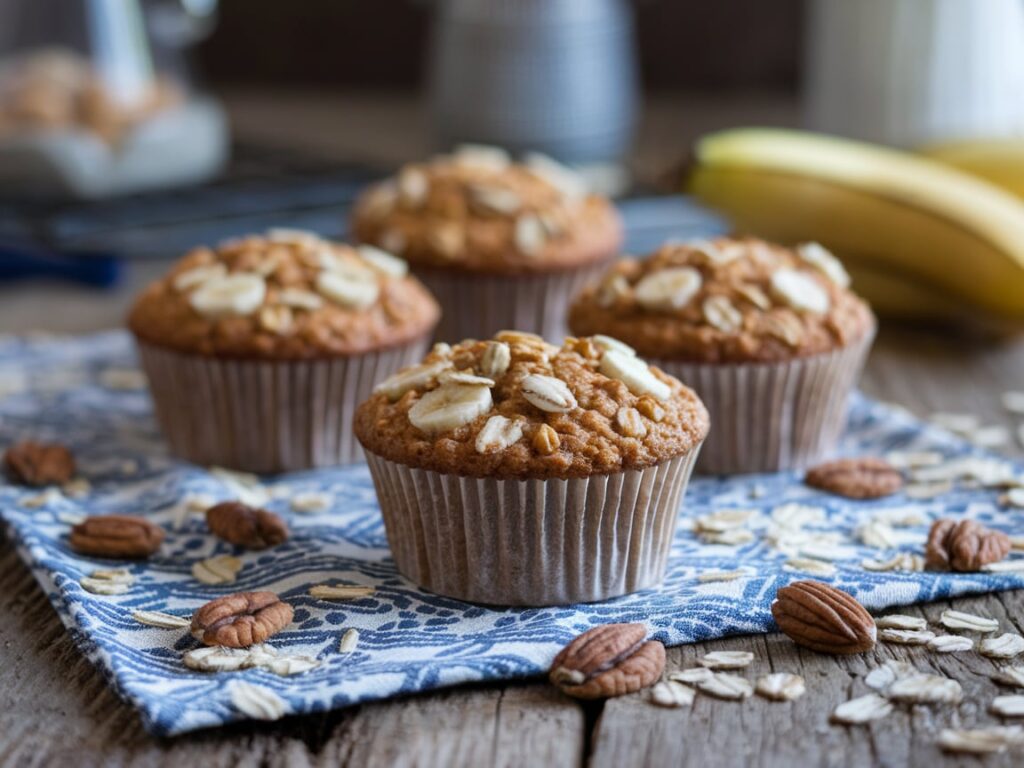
{"points": [[56, 709]]}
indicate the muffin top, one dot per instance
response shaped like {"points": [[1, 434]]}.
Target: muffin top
{"points": [[285, 295], [726, 301], [518, 407], [475, 210]]}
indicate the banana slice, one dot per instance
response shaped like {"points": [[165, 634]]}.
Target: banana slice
{"points": [[668, 289], [799, 291], [607, 342], [449, 407], [350, 288], [398, 384], [241, 293], [634, 373], [823, 260], [190, 278], [382, 261]]}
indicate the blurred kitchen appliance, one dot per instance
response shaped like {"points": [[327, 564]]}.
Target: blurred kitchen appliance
{"points": [[96, 97], [556, 76], [908, 72]]}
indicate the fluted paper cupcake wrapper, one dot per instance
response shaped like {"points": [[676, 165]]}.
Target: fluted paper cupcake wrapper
{"points": [[266, 416], [478, 306], [531, 542], [774, 416]]}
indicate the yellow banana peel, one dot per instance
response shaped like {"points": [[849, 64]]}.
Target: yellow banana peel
{"points": [[921, 234], [997, 161]]}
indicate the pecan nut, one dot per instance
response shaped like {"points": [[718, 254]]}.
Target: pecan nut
{"points": [[119, 536], [823, 618], [241, 619], [246, 526], [39, 464], [964, 545], [606, 661], [859, 478]]}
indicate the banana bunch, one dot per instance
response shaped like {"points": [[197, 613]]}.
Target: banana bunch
{"points": [[921, 239], [998, 161]]}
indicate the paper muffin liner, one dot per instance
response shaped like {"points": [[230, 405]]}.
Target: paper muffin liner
{"points": [[770, 417], [531, 542], [266, 416], [475, 306]]}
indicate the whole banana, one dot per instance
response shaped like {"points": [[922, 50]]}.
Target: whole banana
{"points": [[921, 237]]}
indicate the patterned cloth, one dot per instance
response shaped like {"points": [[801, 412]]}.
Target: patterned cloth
{"points": [[77, 391]]}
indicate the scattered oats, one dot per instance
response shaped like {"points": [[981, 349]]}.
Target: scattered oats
{"points": [[922, 688], [217, 658], [721, 314], [728, 538], [904, 561], [727, 659], [466, 377], [1009, 707], [906, 636], [692, 675], [673, 694], [901, 517], [781, 686], [710, 576], [498, 433], [123, 378], [76, 488], [725, 519], [880, 678], [199, 502], [923, 491], [986, 471], [877, 534], [862, 709], [726, 686], [914, 459], [818, 550], [951, 619], [1010, 676], [299, 298], [799, 291], [311, 501], [808, 565], [411, 378], [901, 621], [951, 644], [481, 156], [70, 518], [754, 295], [796, 516], [981, 741], [255, 701], [115, 581], [548, 393], [496, 358], [162, 620], [340, 592], [569, 184], [530, 235], [349, 641], [244, 486], [49, 496], [990, 437], [286, 666], [222, 569], [1004, 566], [494, 200], [1013, 498], [955, 422], [1006, 646], [825, 262]]}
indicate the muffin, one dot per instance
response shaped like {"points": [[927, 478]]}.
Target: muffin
{"points": [[771, 338], [258, 351], [501, 244], [514, 472]]}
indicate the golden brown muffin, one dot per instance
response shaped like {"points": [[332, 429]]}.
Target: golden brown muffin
{"points": [[726, 301], [284, 296], [518, 407], [476, 211]]}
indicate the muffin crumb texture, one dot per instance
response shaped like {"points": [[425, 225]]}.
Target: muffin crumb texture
{"points": [[476, 210], [285, 295], [726, 301], [517, 407]]}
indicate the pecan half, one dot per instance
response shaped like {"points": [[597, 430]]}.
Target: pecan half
{"points": [[859, 478], [964, 545], [246, 526], [823, 618], [121, 536], [607, 661], [39, 464], [241, 619]]}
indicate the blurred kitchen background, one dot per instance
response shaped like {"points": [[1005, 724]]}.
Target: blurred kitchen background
{"points": [[132, 129]]}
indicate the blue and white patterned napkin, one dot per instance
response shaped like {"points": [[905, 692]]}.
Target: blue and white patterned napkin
{"points": [[80, 392]]}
